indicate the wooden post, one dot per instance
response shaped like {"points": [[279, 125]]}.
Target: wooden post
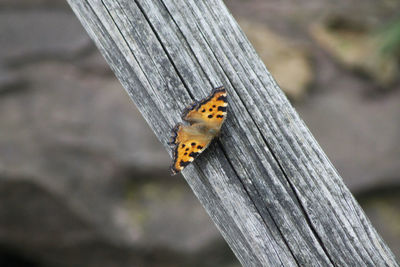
{"points": [[266, 183]]}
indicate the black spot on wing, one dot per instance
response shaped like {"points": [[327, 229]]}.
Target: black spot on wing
{"points": [[199, 147], [221, 108], [197, 104], [222, 98], [194, 154], [220, 116]]}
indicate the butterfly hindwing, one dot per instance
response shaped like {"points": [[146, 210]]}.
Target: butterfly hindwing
{"points": [[188, 146]]}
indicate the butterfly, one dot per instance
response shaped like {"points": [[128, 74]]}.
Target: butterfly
{"points": [[205, 119]]}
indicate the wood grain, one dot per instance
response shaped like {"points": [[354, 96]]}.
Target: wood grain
{"points": [[266, 183]]}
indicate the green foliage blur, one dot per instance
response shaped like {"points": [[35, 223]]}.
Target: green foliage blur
{"points": [[390, 35]]}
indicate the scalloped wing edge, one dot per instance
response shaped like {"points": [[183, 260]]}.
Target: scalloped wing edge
{"points": [[174, 134], [174, 157], [197, 104], [172, 142]]}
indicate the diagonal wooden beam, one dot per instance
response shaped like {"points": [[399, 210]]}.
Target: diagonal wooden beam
{"points": [[266, 183]]}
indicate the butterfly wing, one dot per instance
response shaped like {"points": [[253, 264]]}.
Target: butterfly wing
{"points": [[203, 116], [211, 110], [188, 145]]}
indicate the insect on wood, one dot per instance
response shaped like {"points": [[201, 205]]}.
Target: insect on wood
{"points": [[205, 118]]}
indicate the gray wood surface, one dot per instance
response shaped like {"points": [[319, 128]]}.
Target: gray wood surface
{"points": [[266, 183]]}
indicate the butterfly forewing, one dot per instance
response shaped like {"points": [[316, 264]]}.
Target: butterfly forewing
{"points": [[210, 110]]}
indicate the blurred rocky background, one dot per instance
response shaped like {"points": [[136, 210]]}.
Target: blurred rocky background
{"points": [[83, 180]]}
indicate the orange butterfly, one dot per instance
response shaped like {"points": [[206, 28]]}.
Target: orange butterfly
{"points": [[205, 118]]}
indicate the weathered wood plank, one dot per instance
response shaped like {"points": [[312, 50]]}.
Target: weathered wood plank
{"points": [[266, 183]]}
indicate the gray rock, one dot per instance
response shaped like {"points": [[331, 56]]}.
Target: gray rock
{"points": [[45, 229], [33, 4], [29, 35], [93, 63], [10, 81]]}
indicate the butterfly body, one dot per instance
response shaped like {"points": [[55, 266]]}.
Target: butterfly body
{"points": [[206, 118], [205, 129]]}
